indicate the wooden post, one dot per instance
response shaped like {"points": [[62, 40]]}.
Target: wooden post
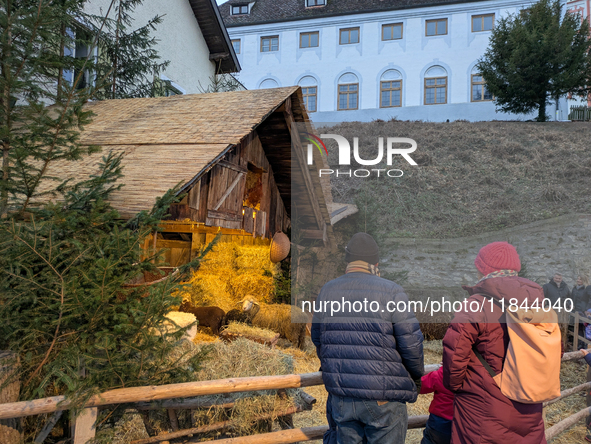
{"points": [[576, 332], [195, 243], [174, 422], [10, 429], [588, 397], [85, 426], [49, 425]]}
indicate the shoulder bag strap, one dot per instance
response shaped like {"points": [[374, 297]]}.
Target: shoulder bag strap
{"points": [[483, 361]]}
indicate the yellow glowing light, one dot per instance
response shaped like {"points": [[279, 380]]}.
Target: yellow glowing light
{"points": [[254, 213], [243, 211]]}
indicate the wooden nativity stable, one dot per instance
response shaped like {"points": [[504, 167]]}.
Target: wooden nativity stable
{"points": [[232, 154]]}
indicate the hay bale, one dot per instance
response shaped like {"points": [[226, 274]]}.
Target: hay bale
{"points": [[228, 273], [287, 320], [177, 320]]}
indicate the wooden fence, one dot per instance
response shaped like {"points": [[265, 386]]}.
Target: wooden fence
{"points": [[580, 113], [179, 396]]}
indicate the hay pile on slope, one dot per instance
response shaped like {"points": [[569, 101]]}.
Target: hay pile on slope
{"points": [[229, 273], [242, 358]]}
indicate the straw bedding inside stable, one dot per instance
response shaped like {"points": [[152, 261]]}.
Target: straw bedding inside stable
{"points": [[229, 273]]}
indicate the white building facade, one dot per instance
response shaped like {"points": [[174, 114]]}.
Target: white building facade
{"points": [[411, 62], [191, 36]]}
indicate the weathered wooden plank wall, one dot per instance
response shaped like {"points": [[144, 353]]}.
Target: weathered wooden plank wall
{"points": [[217, 198]]}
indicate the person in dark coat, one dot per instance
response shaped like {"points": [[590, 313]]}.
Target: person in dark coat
{"points": [[482, 414], [556, 289], [580, 295], [371, 359]]}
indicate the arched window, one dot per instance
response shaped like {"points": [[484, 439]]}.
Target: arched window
{"points": [[268, 83], [435, 86], [478, 90], [391, 89], [348, 92], [310, 92]]}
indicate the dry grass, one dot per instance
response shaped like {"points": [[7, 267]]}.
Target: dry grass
{"points": [[571, 374], [229, 273], [248, 330], [472, 177], [246, 358]]}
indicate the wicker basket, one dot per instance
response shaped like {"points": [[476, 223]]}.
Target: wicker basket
{"points": [[280, 246]]}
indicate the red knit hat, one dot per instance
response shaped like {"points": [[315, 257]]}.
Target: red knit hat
{"points": [[497, 256]]}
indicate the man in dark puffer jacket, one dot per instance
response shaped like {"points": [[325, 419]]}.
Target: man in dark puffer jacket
{"points": [[372, 360]]}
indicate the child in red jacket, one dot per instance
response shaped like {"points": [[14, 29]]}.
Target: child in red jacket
{"points": [[441, 410]]}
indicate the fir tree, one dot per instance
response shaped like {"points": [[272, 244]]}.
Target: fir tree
{"points": [[535, 56], [128, 58], [65, 254]]}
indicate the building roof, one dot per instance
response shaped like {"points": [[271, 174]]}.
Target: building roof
{"points": [[172, 140], [215, 34], [270, 11]]}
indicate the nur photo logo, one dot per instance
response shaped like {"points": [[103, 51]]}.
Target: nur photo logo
{"points": [[392, 148]]}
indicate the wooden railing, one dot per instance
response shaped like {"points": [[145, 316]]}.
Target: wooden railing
{"points": [[179, 396], [580, 113]]}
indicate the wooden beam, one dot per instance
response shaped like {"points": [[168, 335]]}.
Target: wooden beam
{"points": [[233, 166], [301, 163], [569, 392], [213, 427], [572, 356], [565, 424], [219, 55], [187, 403], [167, 391], [225, 215], [228, 191], [316, 234], [282, 437], [300, 435]]}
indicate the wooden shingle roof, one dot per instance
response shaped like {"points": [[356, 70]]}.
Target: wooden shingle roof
{"points": [[168, 140], [193, 118]]}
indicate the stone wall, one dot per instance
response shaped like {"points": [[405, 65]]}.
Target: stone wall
{"points": [[560, 244]]}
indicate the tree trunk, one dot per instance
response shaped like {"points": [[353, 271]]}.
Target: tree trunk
{"points": [[542, 109], [10, 429]]}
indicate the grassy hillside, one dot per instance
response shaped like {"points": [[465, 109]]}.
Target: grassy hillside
{"points": [[471, 178]]}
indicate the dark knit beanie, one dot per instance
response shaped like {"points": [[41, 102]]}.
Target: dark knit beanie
{"points": [[497, 256], [362, 247]]}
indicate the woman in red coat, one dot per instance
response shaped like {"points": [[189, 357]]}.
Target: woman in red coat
{"points": [[482, 414]]}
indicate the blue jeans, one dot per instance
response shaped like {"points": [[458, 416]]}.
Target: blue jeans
{"points": [[330, 436], [361, 421], [437, 431]]}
